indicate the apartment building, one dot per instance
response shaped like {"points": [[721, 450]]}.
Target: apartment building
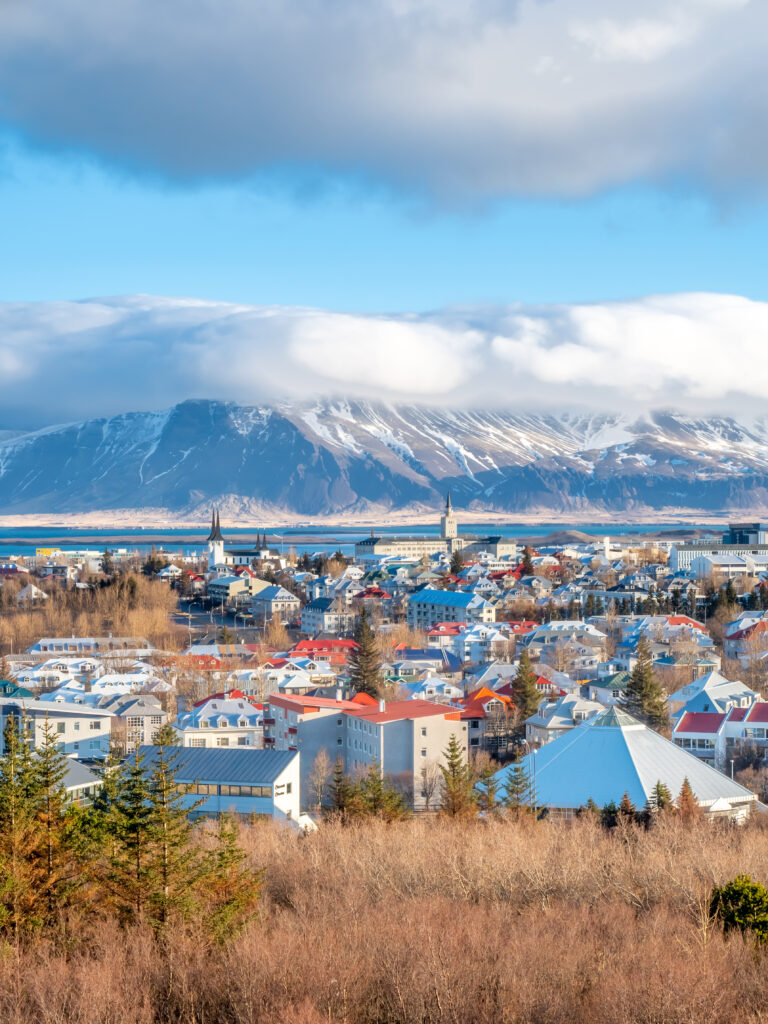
{"points": [[403, 737], [81, 732]]}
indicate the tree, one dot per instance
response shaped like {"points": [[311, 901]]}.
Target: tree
{"points": [[457, 563], [167, 736], [627, 810], [233, 890], [107, 563], [523, 687], [458, 797], [19, 867], [518, 792], [526, 563], [644, 697], [687, 804], [742, 904], [342, 790], [53, 855], [430, 777], [364, 663], [5, 670], [659, 802], [318, 778], [378, 797]]}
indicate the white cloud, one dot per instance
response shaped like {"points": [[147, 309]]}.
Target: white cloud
{"points": [[74, 360], [462, 98]]}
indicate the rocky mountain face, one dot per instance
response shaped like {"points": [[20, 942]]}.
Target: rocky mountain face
{"points": [[325, 458]]}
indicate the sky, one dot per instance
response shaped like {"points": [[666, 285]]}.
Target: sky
{"points": [[431, 200]]}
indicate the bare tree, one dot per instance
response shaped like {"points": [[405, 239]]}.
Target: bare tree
{"points": [[431, 778], [319, 774]]}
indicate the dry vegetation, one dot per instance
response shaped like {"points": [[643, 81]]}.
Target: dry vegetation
{"points": [[133, 606], [432, 921]]}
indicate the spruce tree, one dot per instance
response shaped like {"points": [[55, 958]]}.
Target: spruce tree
{"points": [[341, 788], [232, 890], [19, 835], [378, 797], [526, 563], [661, 798], [364, 662], [128, 877], [518, 792], [524, 693], [458, 796], [687, 804], [488, 796], [627, 810], [54, 854], [457, 563], [644, 697], [167, 736]]}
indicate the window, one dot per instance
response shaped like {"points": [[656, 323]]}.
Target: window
{"points": [[423, 751], [339, 740], [222, 741], [77, 727], [474, 741], [204, 723], [196, 741], [156, 719], [474, 724], [423, 731], [93, 725], [242, 741], [289, 787], [95, 745], [60, 727]]}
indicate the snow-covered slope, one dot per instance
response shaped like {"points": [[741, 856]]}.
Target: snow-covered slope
{"points": [[320, 458]]}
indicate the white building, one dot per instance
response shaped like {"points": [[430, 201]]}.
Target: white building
{"points": [[80, 732], [221, 722], [428, 607]]}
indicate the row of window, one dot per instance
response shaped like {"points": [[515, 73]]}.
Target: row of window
{"points": [[693, 744], [221, 741], [94, 724], [204, 789]]}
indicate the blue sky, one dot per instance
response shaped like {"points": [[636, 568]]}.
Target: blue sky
{"points": [[505, 197], [74, 228]]}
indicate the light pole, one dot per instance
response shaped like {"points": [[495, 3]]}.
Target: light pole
{"points": [[732, 769]]}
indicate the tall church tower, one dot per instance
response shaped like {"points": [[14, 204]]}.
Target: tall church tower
{"points": [[448, 528], [215, 542]]}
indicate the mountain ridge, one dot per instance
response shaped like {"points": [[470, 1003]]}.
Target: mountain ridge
{"points": [[330, 457]]}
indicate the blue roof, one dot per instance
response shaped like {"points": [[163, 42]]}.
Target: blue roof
{"points": [[224, 764], [450, 598]]}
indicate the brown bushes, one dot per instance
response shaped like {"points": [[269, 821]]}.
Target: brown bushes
{"points": [[434, 921], [128, 606]]}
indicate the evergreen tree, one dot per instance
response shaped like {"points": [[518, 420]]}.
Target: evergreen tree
{"points": [[609, 815], [54, 854], [175, 863], [5, 670], [233, 889], [167, 736], [644, 697], [128, 878], [365, 666], [687, 804], [341, 789], [458, 797], [488, 796], [742, 905], [523, 687], [378, 797], [660, 799], [627, 810], [19, 866], [526, 563], [589, 606], [518, 792], [457, 563]]}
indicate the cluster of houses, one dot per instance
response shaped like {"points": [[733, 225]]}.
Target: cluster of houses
{"points": [[256, 726]]}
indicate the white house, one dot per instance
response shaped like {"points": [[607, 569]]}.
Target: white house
{"points": [[221, 722]]}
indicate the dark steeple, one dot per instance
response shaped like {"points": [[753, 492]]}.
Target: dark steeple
{"points": [[215, 533], [448, 502]]}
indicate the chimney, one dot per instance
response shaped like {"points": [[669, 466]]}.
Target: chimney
{"points": [[382, 706]]}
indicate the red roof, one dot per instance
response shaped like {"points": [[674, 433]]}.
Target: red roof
{"points": [[700, 721], [737, 714], [684, 620], [224, 695], [402, 710], [448, 629], [744, 634], [758, 713]]}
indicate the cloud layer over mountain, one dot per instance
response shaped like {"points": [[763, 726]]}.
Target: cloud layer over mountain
{"points": [[70, 360], [461, 98]]}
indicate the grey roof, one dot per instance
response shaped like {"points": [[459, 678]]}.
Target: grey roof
{"points": [[613, 754], [224, 764], [79, 775]]}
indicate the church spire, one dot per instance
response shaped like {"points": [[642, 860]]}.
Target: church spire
{"points": [[215, 533], [448, 505]]}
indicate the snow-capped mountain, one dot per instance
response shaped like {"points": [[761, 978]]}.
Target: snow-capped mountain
{"points": [[325, 458]]}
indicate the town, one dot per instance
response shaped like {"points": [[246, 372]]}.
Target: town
{"points": [[600, 672]]}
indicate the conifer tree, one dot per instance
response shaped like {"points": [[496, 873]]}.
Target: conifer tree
{"points": [[644, 697], [19, 867], [233, 890], [458, 796], [167, 736], [128, 877], [518, 792], [523, 687], [488, 796], [609, 815], [364, 662], [457, 563], [687, 804], [54, 854], [661, 798], [341, 788], [526, 563], [627, 810], [378, 797]]}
